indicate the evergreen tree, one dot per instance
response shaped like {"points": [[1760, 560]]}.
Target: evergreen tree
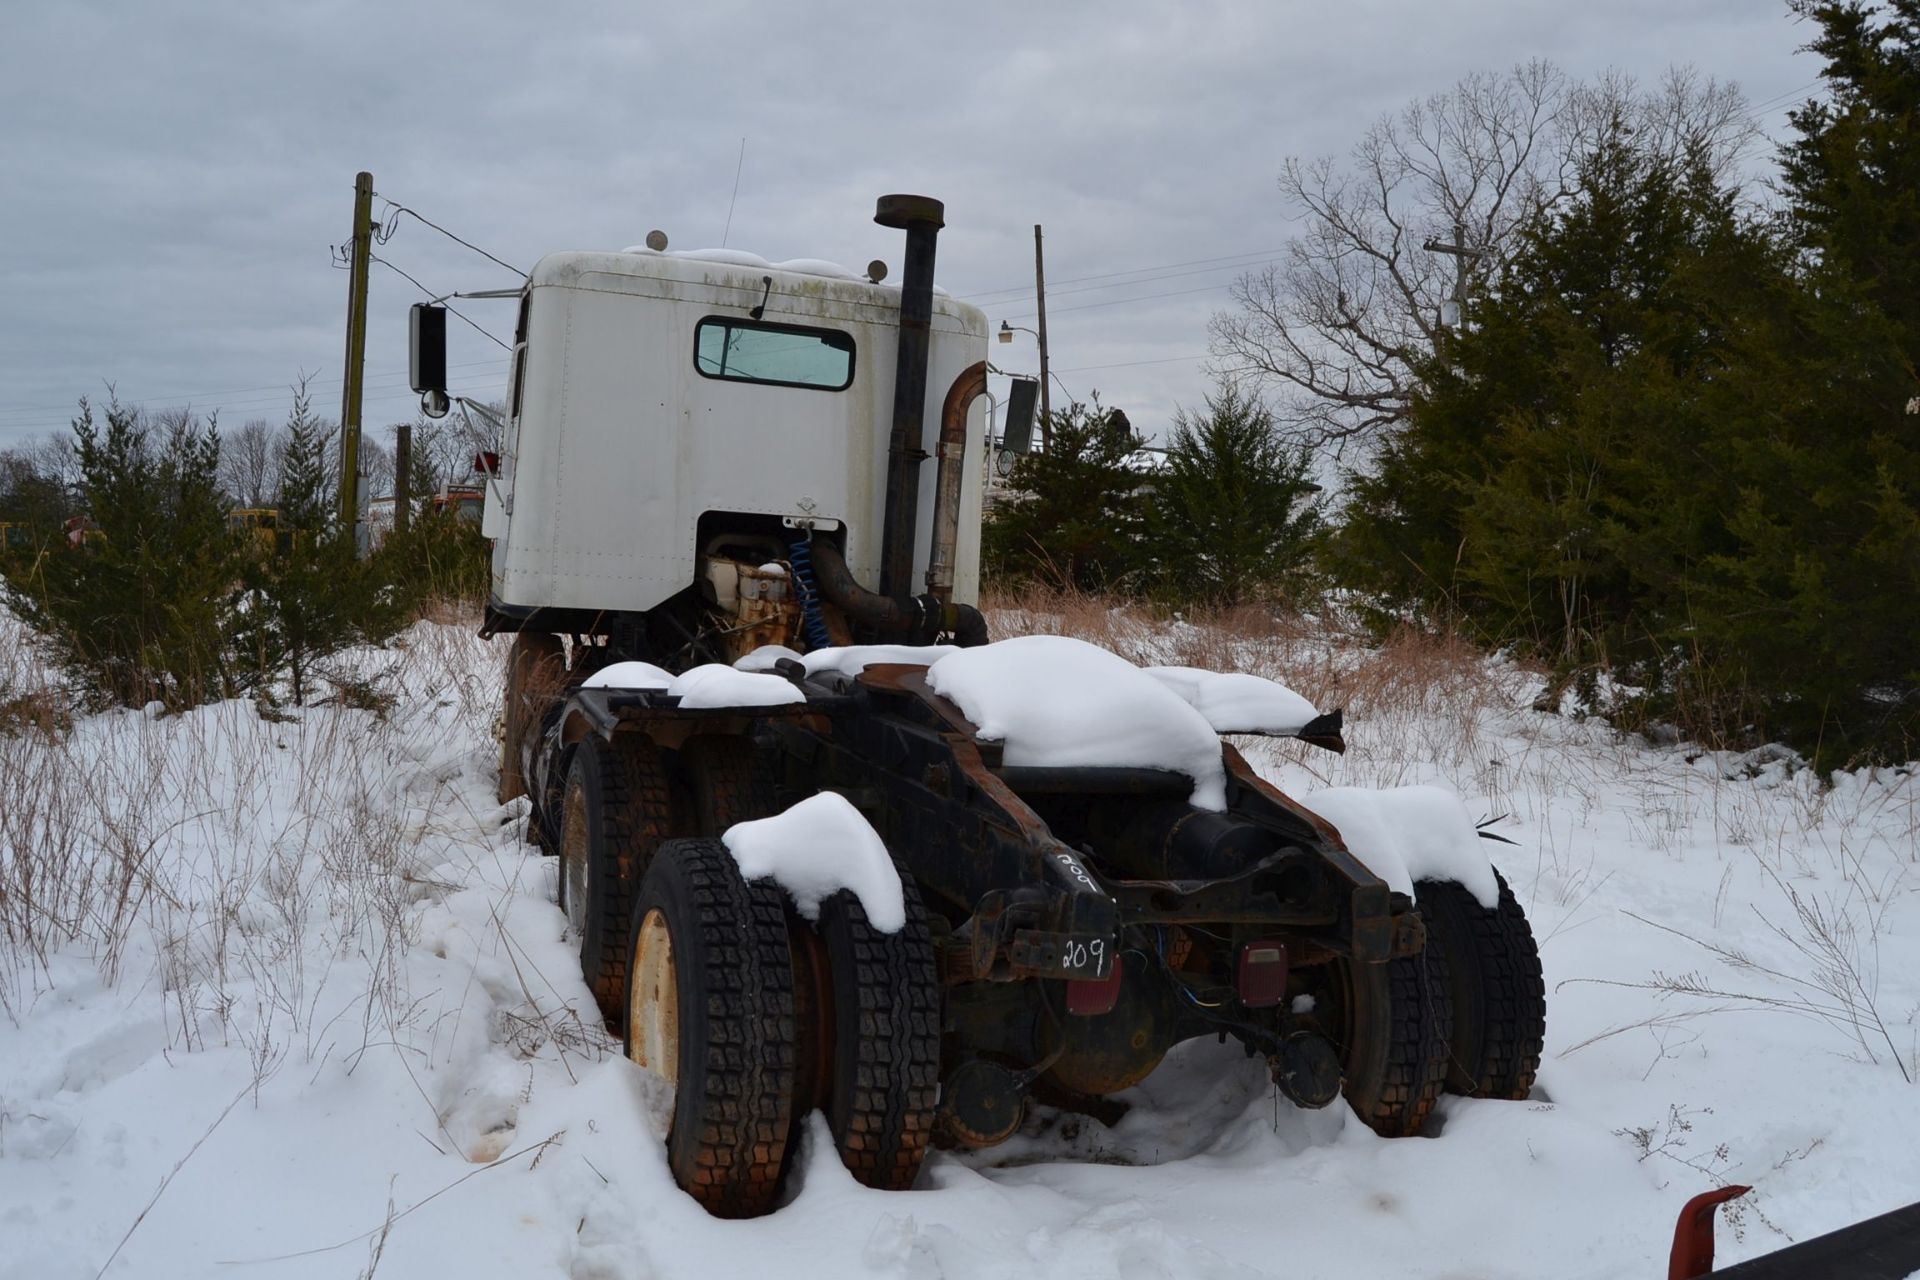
{"points": [[1231, 516], [1673, 442], [1566, 468], [1851, 173], [137, 604], [1076, 519], [1817, 595], [310, 595]]}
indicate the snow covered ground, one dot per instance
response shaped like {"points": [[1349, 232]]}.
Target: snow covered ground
{"points": [[293, 999]]}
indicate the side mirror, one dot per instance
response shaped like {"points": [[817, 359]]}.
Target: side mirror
{"points": [[427, 347], [427, 356], [1017, 437]]}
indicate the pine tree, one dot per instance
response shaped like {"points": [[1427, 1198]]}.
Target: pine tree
{"points": [[1076, 519], [137, 601], [1672, 440], [1565, 472], [1231, 516], [311, 595], [1817, 594]]}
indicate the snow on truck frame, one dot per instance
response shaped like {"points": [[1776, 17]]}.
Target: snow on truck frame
{"points": [[821, 845]]}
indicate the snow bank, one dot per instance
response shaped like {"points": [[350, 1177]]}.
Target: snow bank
{"points": [[716, 685], [1236, 703], [1405, 834], [817, 848], [628, 675], [1056, 701], [852, 659]]}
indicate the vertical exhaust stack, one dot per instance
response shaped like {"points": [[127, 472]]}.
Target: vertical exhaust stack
{"points": [[894, 613], [921, 217]]}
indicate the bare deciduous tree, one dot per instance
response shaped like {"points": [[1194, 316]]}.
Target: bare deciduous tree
{"points": [[1429, 204], [248, 464]]}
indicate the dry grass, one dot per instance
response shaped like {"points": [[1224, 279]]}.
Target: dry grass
{"points": [[216, 844], [1438, 686]]}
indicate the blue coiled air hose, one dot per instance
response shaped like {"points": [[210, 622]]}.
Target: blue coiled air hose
{"points": [[800, 557]]}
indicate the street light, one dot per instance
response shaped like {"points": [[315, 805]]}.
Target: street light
{"points": [[1007, 331]]}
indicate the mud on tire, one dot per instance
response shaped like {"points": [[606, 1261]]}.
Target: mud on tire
{"points": [[712, 1009], [1499, 997], [616, 810]]}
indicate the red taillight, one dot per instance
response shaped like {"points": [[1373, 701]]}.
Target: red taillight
{"points": [[1263, 974], [1087, 998], [487, 463]]}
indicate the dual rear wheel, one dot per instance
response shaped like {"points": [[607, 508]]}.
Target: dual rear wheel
{"points": [[1467, 1015], [754, 1015], [756, 1018]]}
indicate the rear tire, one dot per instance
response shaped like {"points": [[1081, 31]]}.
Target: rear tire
{"points": [[884, 1083], [1499, 997], [536, 672], [1394, 1027], [616, 810], [711, 1009]]}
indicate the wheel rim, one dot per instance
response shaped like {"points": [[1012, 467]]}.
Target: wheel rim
{"points": [[653, 1001], [575, 865]]}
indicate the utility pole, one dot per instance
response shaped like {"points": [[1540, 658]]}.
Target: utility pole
{"points": [[358, 254], [1463, 255], [1040, 293], [402, 476]]}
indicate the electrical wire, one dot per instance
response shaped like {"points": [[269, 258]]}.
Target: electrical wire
{"points": [[440, 299], [383, 232], [1121, 302], [1224, 259], [1129, 364], [225, 394], [1777, 99]]}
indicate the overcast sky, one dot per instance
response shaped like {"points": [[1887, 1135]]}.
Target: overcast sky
{"points": [[175, 172]]}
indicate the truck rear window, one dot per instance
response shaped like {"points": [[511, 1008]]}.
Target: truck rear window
{"points": [[781, 354]]}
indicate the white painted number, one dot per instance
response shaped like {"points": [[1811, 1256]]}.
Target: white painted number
{"points": [[1076, 870]]}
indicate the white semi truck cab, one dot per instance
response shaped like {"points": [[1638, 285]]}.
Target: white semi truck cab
{"points": [[705, 452]]}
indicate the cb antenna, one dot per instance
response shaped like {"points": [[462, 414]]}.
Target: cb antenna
{"points": [[737, 166]]}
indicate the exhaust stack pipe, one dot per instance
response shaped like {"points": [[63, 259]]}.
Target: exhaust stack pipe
{"points": [[893, 612], [921, 217], [968, 387]]}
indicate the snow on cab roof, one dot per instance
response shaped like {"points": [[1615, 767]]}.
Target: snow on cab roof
{"points": [[792, 266]]}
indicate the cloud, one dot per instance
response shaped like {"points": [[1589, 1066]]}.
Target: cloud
{"points": [[177, 172]]}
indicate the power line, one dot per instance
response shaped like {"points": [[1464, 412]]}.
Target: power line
{"points": [[224, 396], [441, 299], [1165, 275], [1129, 364], [385, 233], [26, 429], [1224, 259], [1782, 97], [1120, 302]]}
